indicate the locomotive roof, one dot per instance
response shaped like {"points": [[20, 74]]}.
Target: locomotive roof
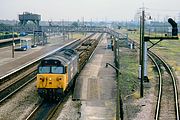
{"points": [[64, 56]]}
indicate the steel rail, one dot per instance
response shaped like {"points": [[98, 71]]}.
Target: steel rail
{"points": [[174, 84], [35, 60], [34, 111], [8, 94], [160, 87], [24, 75], [13, 92], [99, 40], [60, 104], [157, 112], [41, 57], [53, 108]]}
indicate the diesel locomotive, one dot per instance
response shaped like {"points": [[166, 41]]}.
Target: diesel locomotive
{"points": [[56, 73]]}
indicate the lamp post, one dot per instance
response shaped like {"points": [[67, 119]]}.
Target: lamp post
{"points": [[117, 69], [13, 44], [119, 108]]}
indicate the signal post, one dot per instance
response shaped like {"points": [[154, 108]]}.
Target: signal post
{"points": [[144, 49]]}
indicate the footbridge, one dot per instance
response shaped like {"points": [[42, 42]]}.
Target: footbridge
{"points": [[88, 29], [65, 29]]}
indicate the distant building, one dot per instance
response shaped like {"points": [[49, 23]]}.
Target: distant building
{"points": [[26, 16]]}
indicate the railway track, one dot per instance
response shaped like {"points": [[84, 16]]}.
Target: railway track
{"points": [[43, 110], [27, 75], [167, 107], [46, 110], [16, 85], [16, 72]]}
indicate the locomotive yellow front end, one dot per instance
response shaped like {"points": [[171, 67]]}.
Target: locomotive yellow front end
{"points": [[51, 79], [56, 73]]}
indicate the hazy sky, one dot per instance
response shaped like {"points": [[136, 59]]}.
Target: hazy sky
{"points": [[89, 9]]}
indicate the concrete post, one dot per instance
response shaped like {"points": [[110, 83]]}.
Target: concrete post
{"points": [[145, 63], [126, 39]]}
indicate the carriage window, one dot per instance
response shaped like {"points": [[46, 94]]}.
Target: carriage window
{"points": [[44, 69], [59, 70]]}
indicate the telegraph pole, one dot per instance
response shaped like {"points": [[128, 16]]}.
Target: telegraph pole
{"points": [[142, 56]]}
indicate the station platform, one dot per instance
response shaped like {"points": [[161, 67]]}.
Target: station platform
{"points": [[96, 86], [2, 41], [9, 64], [8, 42]]}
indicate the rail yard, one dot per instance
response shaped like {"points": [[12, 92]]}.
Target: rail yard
{"points": [[92, 87], [98, 68]]}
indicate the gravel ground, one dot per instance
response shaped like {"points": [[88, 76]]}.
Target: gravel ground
{"points": [[70, 110], [136, 108], [19, 106], [147, 104]]}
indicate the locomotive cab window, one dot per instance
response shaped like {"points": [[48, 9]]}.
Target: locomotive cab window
{"points": [[57, 69], [44, 69], [51, 69]]}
